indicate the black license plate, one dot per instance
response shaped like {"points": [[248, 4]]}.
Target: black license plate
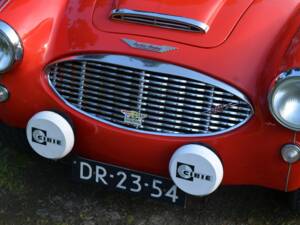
{"points": [[121, 179]]}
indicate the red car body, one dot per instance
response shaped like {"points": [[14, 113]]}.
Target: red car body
{"points": [[250, 42]]}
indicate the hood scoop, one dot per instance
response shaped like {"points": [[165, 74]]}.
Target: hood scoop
{"points": [[197, 16], [185, 20], [159, 20]]}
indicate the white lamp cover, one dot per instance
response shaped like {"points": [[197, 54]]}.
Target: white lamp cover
{"points": [[50, 135], [196, 169]]}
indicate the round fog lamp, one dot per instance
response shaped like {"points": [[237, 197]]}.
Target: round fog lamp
{"points": [[50, 135], [196, 169], [284, 100]]}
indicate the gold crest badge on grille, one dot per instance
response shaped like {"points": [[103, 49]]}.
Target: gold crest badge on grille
{"points": [[133, 118]]}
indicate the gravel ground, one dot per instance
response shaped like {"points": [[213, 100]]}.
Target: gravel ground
{"points": [[35, 191]]}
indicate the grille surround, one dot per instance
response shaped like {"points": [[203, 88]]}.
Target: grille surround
{"points": [[150, 66]]}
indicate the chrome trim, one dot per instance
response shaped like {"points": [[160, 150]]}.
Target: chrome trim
{"points": [[153, 66], [4, 4], [8, 32], [148, 47], [160, 20], [288, 75], [287, 179], [294, 141]]}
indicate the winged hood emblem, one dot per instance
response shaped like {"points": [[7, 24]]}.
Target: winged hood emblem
{"points": [[147, 46]]}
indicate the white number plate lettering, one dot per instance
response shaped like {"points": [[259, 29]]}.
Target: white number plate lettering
{"points": [[126, 180]]}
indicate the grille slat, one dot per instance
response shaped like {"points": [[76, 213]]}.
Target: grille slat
{"points": [[188, 97], [156, 102]]}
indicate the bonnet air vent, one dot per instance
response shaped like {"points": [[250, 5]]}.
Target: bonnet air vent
{"points": [[159, 20]]}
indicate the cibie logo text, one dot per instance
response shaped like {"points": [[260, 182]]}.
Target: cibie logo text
{"points": [[39, 136], [187, 172]]}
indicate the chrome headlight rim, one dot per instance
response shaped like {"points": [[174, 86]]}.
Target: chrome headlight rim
{"points": [[11, 36], [293, 74]]}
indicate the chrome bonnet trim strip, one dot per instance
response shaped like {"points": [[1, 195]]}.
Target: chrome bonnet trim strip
{"points": [[4, 4], [153, 66], [197, 26]]}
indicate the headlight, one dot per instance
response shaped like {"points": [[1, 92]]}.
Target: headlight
{"points": [[284, 100], [11, 49]]}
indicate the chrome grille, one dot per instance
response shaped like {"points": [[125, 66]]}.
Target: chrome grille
{"points": [[159, 20], [174, 100]]}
